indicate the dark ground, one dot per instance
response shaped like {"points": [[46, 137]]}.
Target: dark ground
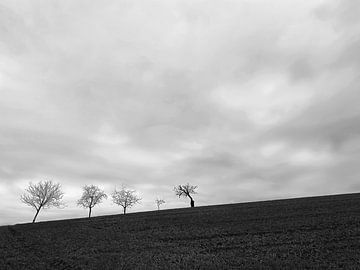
{"points": [[318, 232]]}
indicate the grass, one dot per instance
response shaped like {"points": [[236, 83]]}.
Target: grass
{"points": [[317, 232]]}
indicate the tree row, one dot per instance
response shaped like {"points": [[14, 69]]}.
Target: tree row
{"points": [[46, 194]]}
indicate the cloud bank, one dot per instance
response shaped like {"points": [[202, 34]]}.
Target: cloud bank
{"points": [[249, 100]]}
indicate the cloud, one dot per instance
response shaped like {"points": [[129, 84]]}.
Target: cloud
{"points": [[248, 100]]}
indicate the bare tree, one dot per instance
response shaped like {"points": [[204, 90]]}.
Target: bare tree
{"points": [[125, 198], [91, 196], [159, 202], [185, 191], [44, 194]]}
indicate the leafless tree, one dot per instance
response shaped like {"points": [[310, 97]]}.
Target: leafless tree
{"points": [[159, 202], [186, 191], [91, 196], [44, 194], [125, 198]]}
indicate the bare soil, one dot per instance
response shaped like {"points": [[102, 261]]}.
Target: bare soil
{"points": [[306, 233]]}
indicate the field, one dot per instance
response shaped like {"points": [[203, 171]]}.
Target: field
{"points": [[317, 232]]}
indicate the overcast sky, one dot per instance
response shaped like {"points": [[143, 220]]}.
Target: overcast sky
{"points": [[249, 100]]}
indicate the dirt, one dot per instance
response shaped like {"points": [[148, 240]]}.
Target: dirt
{"points": [[307, 233]]}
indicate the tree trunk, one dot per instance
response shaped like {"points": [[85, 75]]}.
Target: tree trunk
{"points": [[124, 210], [37, 212], [89, 212], [192, 203]]}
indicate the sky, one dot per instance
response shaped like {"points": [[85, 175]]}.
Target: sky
{"points": [[248, 100]]}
